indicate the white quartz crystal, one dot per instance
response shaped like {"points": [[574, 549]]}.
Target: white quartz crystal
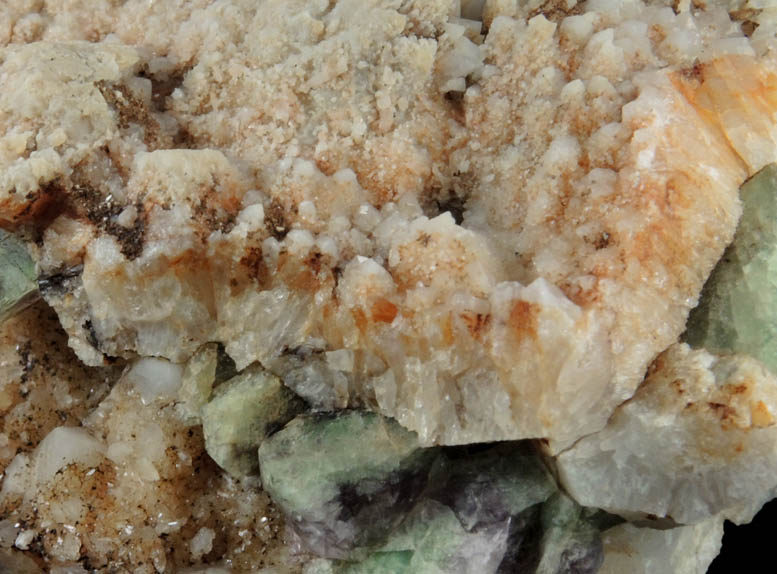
{"points": [[63, 446], [697, 439], [681, 550], [595, 165], [155, 379]]}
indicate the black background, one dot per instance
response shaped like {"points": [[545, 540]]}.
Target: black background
{"points": [[750, 547]]}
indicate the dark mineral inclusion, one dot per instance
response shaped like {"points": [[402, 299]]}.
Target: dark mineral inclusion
{"points": [[358, 489]]}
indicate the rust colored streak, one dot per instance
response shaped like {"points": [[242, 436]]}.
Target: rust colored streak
{"points": [[41, 207], [523, 320], [360, 317], [305, 280], [383, 311], [447, 330], [256, 268], [725, 412], [477, 323]]}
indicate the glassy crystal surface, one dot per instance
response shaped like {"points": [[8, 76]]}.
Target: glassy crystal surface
{"points": [[242, 413], [17, 276], [344, 480], [737, 311]]}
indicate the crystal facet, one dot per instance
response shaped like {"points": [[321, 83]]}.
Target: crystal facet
{"points": [[18, 288], [343, 480], [737, 311], [243, 412], [697, 439]]}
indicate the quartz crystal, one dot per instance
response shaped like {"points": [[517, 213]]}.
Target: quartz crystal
{"points": [[697, 439], [736, 311], [398, 185]]}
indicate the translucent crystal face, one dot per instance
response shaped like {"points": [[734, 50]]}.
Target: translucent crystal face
{"points": [[736, 308], [18, 288]]}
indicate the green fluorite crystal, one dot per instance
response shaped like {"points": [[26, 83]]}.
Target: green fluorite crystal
{"points": [[737, 311], [243, 412], [570, 540], [18, 287], [343, 480], [356, 487]]}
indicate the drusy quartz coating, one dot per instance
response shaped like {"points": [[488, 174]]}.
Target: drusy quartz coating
{"points": [[737, 311], [505, 220], [241, 414]]}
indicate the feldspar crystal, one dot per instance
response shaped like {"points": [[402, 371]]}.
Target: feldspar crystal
{"points": [[344, 480], [738, 307], [18, 288], [243, 412], [697, 439]]}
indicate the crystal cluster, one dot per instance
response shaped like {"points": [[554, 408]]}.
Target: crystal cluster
{"points": [[344, 286], [359, 488]]}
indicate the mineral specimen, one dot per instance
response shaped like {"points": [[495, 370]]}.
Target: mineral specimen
{"points": [[242, 413], [698, 439], [324, 214], [454, 221], [736, 311], [356, 482], [683, 550], [197, 380]]}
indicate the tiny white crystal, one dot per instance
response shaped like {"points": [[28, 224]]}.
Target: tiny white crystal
{"points": [[155, 379]]}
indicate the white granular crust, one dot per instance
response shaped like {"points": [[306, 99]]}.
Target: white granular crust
{"points": [[504, 222]]}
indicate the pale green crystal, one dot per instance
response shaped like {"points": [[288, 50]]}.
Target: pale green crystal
{"points": [[485, 509], [570, 540], [438, 543], [18, 287], [242, 413], [343, 480], [738, 306]]}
